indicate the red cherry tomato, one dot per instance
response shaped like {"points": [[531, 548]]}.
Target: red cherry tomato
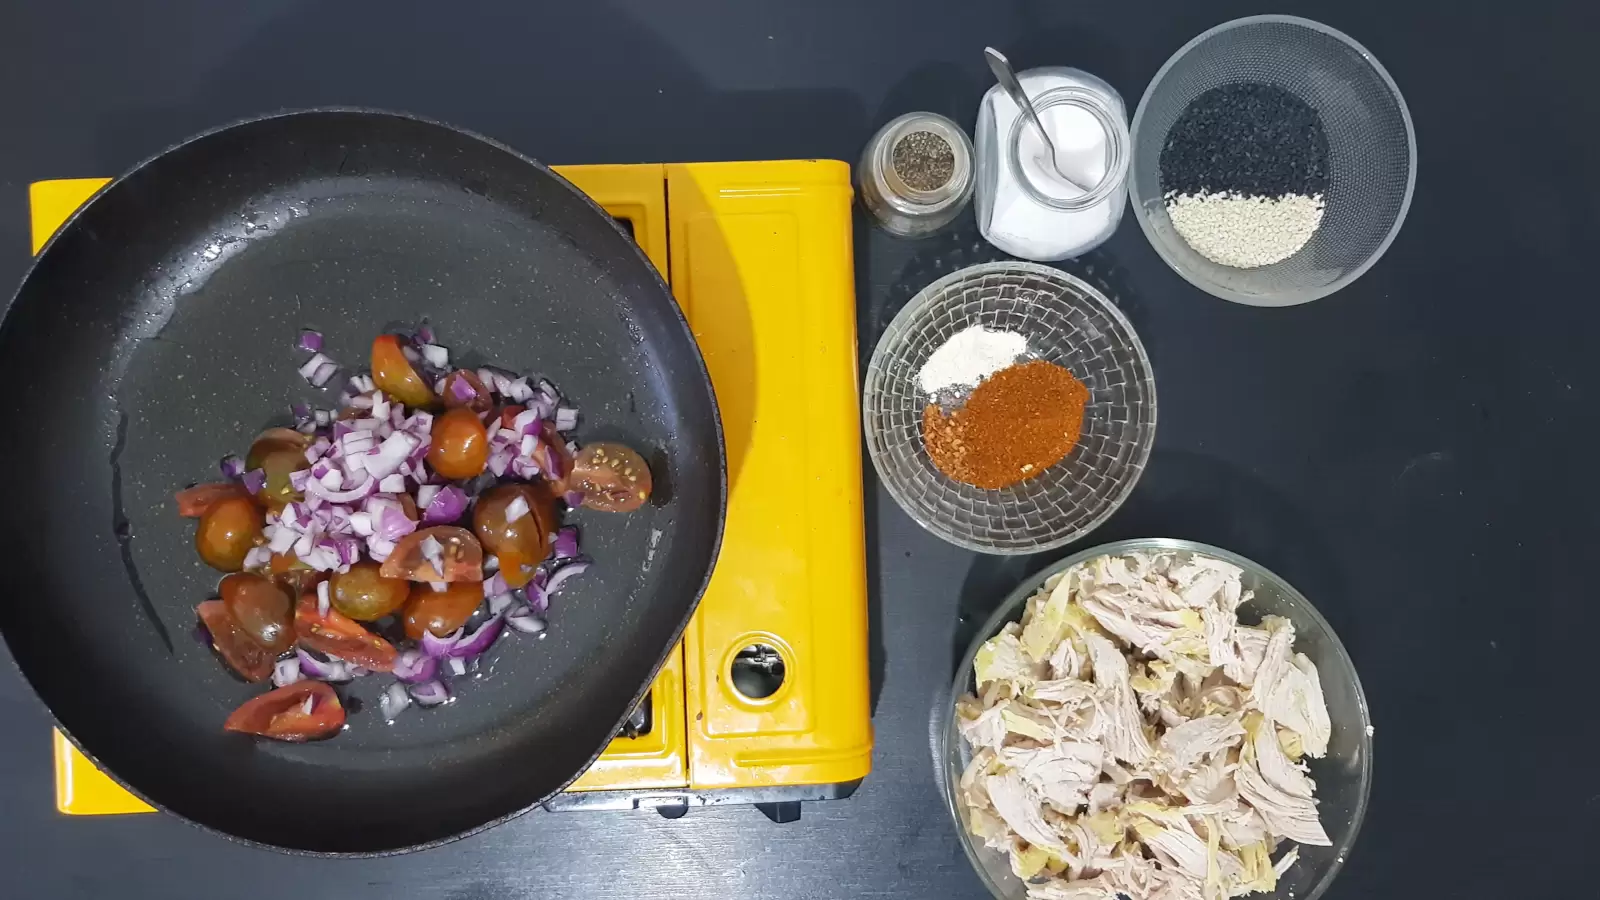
{"points": [[227, 532], [336, 634], [193, 502], [252, 661], [363, 594], [463, 388], [460, 445], [459, 551], [611, 477], [303, 711], [441, 612], [394, 375]]}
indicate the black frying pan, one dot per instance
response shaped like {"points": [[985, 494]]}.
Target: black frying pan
{"points": [[156, 332]]}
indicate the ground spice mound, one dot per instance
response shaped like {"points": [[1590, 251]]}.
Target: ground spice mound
{"points": [[1019, 422]]}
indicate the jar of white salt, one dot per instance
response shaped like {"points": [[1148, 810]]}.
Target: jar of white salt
{"points": [[1024, 204]]}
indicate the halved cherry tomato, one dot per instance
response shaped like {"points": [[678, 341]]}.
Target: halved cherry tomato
{"points": [[441, 612], [193, 502], [295, 576], [264, 611], [336, 634], [522, 544], [460, 445], [611, 477], [279, 453], [227, 532], [478, 399], [252, 661], [394, 375], [282, 714], [459, 551], [363, 594]]}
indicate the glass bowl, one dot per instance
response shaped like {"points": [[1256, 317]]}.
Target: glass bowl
{"points": [[1372, 152], [1343, 776], [1066, 322]]}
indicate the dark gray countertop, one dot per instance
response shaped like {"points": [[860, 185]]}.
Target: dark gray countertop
{"points": [[1413, 453]]}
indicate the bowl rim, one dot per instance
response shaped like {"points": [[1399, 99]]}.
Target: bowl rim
{"points": [[1010, 610], [1300, 297], [898, 328]]}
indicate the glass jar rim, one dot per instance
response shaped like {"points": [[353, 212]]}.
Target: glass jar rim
{"points": [[1117, 141], [903, 197]]}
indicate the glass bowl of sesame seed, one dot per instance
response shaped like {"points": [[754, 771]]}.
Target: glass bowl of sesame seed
{"points": [[1273, 161], [1027, 316]]}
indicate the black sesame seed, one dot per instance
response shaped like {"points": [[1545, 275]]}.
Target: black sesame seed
{"points": [[1257, 140]]}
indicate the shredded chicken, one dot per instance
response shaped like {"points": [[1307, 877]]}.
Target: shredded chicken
{"points": [[1132, 738]]}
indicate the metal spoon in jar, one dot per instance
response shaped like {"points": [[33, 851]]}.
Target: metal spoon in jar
{"points": [[1003, 73]]}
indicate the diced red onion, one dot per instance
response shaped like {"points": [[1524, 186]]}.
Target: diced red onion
{"points": [[366, 486], [433, 552], [425, 333], [391, 523], [499, 461], [565, 545], [516, 509], [324, 602], [232, 466], [394, 484], [474, 643], [566, 418], [519, 391], [430, 693], [394, 450], [379, 549], [493, 586], [258, 557], [573, 499], [447, 505], [254, 480], [462, 391], [318, 449], [394, 701], [308, 706], [322, 417], [286, 672], [413, 666], [560, 576], [330, 478], [310, 367], [499, 603], [425, 495], [282, 539], [491, 563], [310, 341], [458, 666], [360, 401], [525, 621], [439, 647], [361, 523], [329, 669], [438, 357]]}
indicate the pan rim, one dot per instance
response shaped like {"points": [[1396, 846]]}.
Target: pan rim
{"points": [[677, 312]]}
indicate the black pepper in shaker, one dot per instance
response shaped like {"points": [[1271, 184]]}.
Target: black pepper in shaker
{"points": [[923, 160]]}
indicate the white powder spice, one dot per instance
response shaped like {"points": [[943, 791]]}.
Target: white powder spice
{"points": [[968, 357], [1245, 232]]}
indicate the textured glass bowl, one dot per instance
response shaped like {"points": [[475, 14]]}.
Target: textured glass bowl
{"points": [[1372, 152], [1066, 322], [1343, 776]]}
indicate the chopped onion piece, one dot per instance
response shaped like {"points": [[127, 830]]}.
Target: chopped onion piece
{"points": [[566, 418], [232, 466], [324, 602], [394, 701], [329, 669], [474, 643], [286, 672], [425, 495], [439, 647], [559, 576], [499, 603], [257, 558], [414, 667], [458, 666], [437, 356], [379, 549], [516, 509], [447, 505], [495, 584], [365, 487], [310, 341], [430, 693], [394, 484], [565, 545], [525, 621], [317, 361]]}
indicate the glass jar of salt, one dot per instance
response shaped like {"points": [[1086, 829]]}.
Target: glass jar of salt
{"points": [[1024, 204]]}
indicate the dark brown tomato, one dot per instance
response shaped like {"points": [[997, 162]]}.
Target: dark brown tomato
{"points": [[463, 388], [519, 543], [252, 661], [394, 374], [441, 612], [279, 452], [459, 552], [460, 445], [611, 477], [263, 609], [364, 595], [227, 532], [293, 575], [194, 502]]}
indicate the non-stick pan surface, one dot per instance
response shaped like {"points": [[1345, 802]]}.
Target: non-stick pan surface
{"points": [[157, 333]]}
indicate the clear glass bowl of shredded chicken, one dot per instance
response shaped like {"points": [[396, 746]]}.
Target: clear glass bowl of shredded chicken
{"points": [[1158, 720]]}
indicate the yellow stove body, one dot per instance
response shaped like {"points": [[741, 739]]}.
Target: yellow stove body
{"points": [[758, 254]]}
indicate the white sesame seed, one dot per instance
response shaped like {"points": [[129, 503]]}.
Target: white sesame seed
{"points": [[1245, 232]]}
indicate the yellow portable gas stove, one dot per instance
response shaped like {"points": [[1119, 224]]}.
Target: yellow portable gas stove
{"points": [[765, 701]]}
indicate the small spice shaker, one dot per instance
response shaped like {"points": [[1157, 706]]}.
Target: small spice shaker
{"points": [[916, 174]]}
